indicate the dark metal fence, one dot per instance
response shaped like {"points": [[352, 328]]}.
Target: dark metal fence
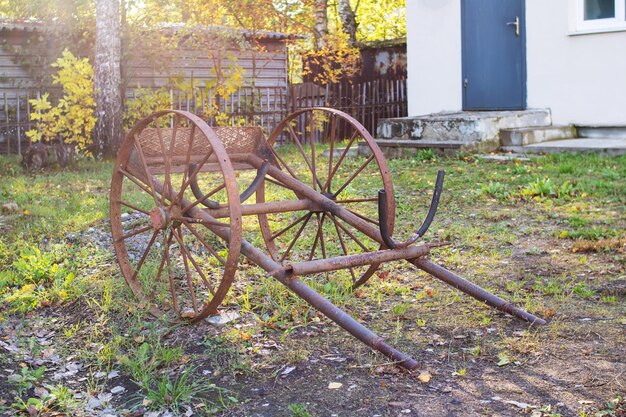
{"points": [[15, 119], [368, 102]]}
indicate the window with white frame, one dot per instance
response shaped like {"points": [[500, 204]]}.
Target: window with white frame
{"points": [[600, 15]]}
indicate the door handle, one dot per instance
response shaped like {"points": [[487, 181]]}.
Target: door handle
{"points": [[516, 24]]}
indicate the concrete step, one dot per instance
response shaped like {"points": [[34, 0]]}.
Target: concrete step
{"points": [[528, 135], [397, 148], [610, 132], [477, 130], [607, 146]]}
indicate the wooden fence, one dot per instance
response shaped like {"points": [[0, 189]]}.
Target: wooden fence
{"points": [[368, 102]]}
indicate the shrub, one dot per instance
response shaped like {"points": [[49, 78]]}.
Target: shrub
{"points": [[72, 120]]}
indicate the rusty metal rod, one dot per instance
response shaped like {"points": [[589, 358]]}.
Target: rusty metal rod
{"points": [[259, 208], [374, 233], [349, 261], [331, 311], [473, 290]]}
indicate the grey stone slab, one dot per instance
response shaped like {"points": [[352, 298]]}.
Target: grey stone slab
{"points": [[607, 146], [529, 135]]}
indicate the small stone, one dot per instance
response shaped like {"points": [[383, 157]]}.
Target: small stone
{"points": [[335, 385], [94, 403], [118, 390], [10, 208], [113, 374], [223, 318]]}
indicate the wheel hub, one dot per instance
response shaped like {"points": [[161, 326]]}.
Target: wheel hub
{"points": [[160, 218]]}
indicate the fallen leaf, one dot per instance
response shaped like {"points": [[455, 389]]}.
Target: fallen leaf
{"points": [[424, 377], [335, 385]]}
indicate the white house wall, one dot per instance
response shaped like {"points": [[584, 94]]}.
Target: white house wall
{"points": [[434, 55], [581, 78]]}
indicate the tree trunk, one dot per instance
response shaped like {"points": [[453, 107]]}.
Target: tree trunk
{"points": [[321, 23], [348, 20], [107, 78]]}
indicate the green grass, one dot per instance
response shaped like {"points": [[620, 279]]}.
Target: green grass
{"points": [[493, 213]]}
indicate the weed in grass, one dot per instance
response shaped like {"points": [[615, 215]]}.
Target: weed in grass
{"points": [[495, 190], [62, 398], [399, 309], [174, 393], [519, 169], [541, 187], [426, 155], [609, 299], [298, 410], [143, 363], [550, 287], [582, 290], [27, 378]]}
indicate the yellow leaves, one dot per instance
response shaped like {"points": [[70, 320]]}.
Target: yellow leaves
{"points": [[333, 62], [73, 118]]}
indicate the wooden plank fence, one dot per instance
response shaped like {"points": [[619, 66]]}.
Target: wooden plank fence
{"points": [[367, 102]]}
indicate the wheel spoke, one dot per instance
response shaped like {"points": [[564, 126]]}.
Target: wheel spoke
{"points": [[321, 226], [343, 244], [361, 216], [317, 238], [167, 187], [145, 254], [192, 137], [186, 183], [295, 239], [142, 158], [306, 158], [190, 285], [316, 181], [354, 175], [124, 203], [339, 161], [135, 233], [289, 227], [186, 252], [280, 184], [284, 164], [208, 247], [166, 251], [333, 127], [206, 196], [136, 181], [353, 237]]}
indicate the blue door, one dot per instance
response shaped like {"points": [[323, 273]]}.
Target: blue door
{"points": [[494, 54]]}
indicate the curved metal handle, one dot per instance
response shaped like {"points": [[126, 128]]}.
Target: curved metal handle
{"points": [[516, 24], [432, 210]]}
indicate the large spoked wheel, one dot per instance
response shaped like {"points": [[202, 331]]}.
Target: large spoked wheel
{"points": [[333, 154], [169, 253]]}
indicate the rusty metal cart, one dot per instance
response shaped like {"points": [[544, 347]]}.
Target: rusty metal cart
{"points": [[180, 190]]}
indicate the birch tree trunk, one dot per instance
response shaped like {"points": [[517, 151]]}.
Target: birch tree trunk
{"points": [[107, 78], [348, 20], [321, 23]]}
